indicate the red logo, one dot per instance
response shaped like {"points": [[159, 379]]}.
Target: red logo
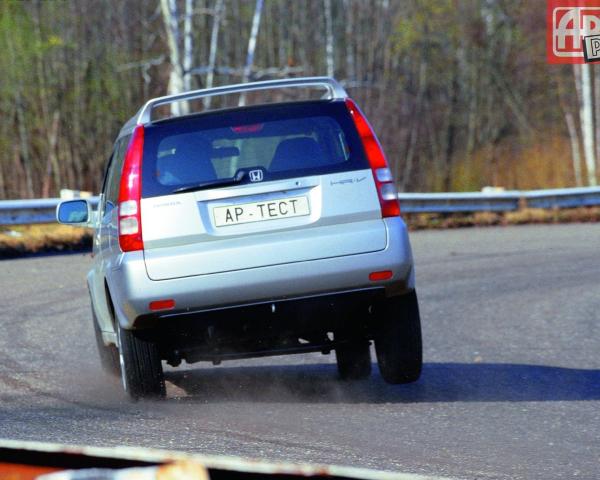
{"points": [[568, 22]]}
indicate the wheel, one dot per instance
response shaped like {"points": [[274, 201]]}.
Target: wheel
{"points": [[353, 360], [109, 355], [398, 339], [141, 369]]}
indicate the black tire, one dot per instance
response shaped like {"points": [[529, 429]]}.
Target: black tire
{"points": [[353, 360], [109, 355], [141, 368], [398, 339]]}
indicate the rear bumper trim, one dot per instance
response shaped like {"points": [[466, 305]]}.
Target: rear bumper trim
{"points": [[274, 301], [133, 290]]}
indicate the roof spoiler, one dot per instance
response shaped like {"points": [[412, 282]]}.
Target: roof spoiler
{"points": [[333, 88]]}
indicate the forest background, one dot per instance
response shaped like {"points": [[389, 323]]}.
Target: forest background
{"points": [[459, 92]]}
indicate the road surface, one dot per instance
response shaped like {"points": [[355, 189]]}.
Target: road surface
{"points": [[510, 387]]}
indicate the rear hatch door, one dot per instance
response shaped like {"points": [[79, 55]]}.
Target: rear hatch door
{"points": [[256, 187]]}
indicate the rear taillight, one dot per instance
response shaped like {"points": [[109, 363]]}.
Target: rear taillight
{"points": [[130, 193], [386, 188]]}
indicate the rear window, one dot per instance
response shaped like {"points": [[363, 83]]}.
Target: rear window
{"points": [[282, 141]]}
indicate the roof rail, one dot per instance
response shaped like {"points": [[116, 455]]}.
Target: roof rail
{"points": [[335, 90]]}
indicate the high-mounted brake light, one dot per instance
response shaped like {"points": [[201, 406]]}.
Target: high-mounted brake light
{"points": [[386, 188], [130, 193], [254, 128]]}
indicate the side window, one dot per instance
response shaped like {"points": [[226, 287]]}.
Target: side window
{"points": [[105, 180], [113, 176]]}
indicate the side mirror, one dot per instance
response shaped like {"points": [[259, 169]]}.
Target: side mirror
{"points": [[74, 212]]}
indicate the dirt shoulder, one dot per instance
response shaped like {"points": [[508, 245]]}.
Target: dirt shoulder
{"points": [[420, 221], [21, 240]]}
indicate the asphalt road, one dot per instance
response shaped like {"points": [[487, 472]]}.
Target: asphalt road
{"points": [[510, 388]]}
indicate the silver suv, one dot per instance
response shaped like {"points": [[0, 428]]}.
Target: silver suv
{"points": [[250, 231]]}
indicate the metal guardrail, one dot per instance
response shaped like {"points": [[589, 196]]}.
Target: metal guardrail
{"points": [[563, 197], [503, 201], [460, 202], [39, 210], [20, 212]]}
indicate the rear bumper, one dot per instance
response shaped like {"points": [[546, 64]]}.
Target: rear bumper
{"points": [[132, 290]]}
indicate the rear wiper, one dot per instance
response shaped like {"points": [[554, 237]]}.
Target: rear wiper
{"points": [[216, 183]]}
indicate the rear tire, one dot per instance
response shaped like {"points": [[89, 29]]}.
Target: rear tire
{"points": [[353, 360], [141, 368], [109, 355], [398, 339]]}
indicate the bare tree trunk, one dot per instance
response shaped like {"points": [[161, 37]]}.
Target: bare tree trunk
{"points": [[349, 37], [252, 41], [572, 129], [238, 56], [414, 130], [576, 155], [596, 107], [472, 111], [52, 165], [451, 133], [587, 123], [513, 102], [24, 143], [21, 126], [18, 188], [282, 36], [176, 85], [188, 45], [251, 46], [577, 77], [329, 42], [2, 183], [75, 153], [52, 153], [214, 39]]}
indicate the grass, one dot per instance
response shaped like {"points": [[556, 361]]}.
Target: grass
{"points": [[420, 221], [29, 239]]}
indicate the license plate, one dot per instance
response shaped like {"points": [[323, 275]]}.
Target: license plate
{"points": [[261, 211]]}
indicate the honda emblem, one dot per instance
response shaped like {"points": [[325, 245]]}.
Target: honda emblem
{"points": [[255, 175]]}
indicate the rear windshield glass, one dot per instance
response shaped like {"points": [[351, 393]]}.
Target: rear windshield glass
{"points": [[280, 141]]}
